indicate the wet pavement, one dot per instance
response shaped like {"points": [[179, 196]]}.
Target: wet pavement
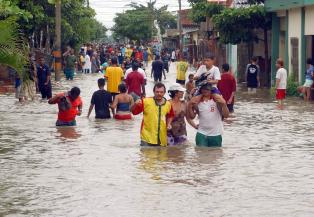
{"points": [[265, 168]]}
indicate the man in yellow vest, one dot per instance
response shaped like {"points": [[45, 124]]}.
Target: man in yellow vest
{"points": [[157, 117], [182, 68]]}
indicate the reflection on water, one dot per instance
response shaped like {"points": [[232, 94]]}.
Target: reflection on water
{"points": [[68, 133], [265, 167]]}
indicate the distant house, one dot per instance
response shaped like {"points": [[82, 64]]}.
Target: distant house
{"points": [[292, 34]]}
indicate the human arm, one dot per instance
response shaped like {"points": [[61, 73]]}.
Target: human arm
{"points": [[137, 107], [277, 82], [131, 101], [216, 76], [222, 103], [234, 89], [231, 98], [258, 76], [163, 71], [54, 99], [213, 81], [192, 107], [152, 72], [246, 70], [79, 108], [91, 107], [114, 105], [191, 114], [191, 122], [170, 117], [48, 76], [143, 83], [277, 79]]}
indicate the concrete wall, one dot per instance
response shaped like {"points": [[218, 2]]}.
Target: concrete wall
{"points": [[309, 19], [295, 32]]}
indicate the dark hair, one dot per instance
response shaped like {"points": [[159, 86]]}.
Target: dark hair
{"points": [[280, 61], [191, 75], [309, 61], [172, 93], [206, 86], [157, 57], [114, 61], [75, 92], [122, 88], [209, 55], [101, 82], [254, 59], [135, 66], [225, 67], [159, 85]]}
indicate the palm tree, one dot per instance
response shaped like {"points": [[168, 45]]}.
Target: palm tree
{"points": [[13, 50], [163, 17]]}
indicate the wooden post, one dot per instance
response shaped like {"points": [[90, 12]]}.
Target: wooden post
{"points": [[57, 52]]}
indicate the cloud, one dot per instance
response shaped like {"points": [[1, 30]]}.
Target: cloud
{"points": [[106, 9]]}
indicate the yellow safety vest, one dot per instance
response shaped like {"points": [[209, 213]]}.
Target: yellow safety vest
{"points": [[154, 125]]}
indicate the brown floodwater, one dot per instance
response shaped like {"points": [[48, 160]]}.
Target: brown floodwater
{"points": [[265, 168]]}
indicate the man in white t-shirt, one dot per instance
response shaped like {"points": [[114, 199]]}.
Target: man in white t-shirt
{"points": [[129, 70], [173, 56], [87, 65], [211, 109], [281, 82], [207, 73]]}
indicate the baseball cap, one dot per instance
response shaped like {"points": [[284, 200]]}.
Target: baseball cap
{"points": [[176, 87]]}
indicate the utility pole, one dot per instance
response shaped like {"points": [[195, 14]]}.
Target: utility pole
{"points": [[180, 29], [57, 51]]}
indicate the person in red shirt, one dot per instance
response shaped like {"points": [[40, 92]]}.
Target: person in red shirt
{"points": [[135, 82], [70, 105], [139, 55], [227, 86]]}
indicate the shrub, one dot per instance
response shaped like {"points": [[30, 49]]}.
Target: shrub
{"points": [[292, 87]]}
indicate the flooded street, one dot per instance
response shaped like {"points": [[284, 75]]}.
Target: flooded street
{"points": [[265, 168]]}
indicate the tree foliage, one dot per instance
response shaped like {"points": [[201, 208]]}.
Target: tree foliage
{"points": [[38, 18], [236, 25], [138, 22], [134, 25], [27, 23], [202, 9], [13, 52]]}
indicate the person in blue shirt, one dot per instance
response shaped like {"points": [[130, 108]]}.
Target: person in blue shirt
{"points": [[44, 79], [145, 57], [306, 88], [123, 50]]}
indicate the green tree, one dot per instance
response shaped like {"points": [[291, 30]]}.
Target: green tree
{"points": [[134, 25], [13, 49], [141, 18], [43, 21], [236, 25], [202, 9]]}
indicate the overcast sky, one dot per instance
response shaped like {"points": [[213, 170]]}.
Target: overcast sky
{"points": [[106, 9]]}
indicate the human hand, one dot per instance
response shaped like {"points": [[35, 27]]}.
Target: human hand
{"points": [[195, 126], [195, 100], [169, 127], [219, 99], [79, 112]]}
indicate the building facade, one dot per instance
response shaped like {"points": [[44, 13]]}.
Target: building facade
{"points": [[292, 35]]}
